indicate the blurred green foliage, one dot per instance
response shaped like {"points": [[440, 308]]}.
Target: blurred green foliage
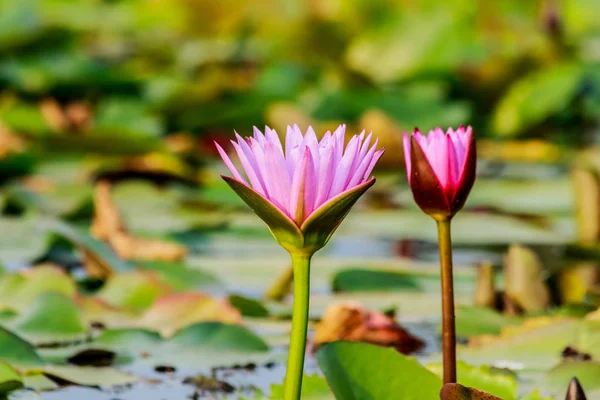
{"points": [[140, 69]]}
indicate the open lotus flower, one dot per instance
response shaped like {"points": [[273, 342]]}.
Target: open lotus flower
{"points": [[302, 192], [441, 169]]}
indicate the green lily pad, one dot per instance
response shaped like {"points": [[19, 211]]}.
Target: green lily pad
{"points": [[9, 379], [536, 97], [51, 317], [587, 372], [248, 307], [39, 382], [133, 290], [27, 241], [353, 280], [90, 376], [218, 336], [314, 387], [473, 321], [169, 314], [16, 351], [496, 383], [19, 290], [179, 276], [363, 371], [534, 346], [99, 251]]}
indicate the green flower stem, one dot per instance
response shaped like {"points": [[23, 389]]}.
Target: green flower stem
{"points": [[295, 365], [448, 323]]}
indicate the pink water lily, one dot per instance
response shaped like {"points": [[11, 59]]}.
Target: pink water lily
{"points": [[308, 172], [440, 169]]}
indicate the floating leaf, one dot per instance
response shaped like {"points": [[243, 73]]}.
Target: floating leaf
{"points": [[587, 372], [134, 290], [17, 351], [179, 276], [20, 290], [473, 321], [216, 336], [352, 280], [90, 376], [171, 313], [9, 379], [51, 317], [536, 97], [314, 387], [248, 307], [362, 371]]}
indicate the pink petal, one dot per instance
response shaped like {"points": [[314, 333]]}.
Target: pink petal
{"points": [[278, 175], [358, 176], [297, 204], [342, 173], [310, 191], [259, 156], [229, 164], [252, 161], [407, 154], [371, 166], [326, 174], [250, 172], [258, 136], [273, 137]]}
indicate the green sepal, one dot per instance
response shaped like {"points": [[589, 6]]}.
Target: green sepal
{"points": [[316, 230], [285, 231]]}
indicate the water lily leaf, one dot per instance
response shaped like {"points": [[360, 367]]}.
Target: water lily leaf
{"points": [[138, 199], [363, 371], [467, 228], [536, 344], [587, 372], [90, 376], [51, 317], [129, 342], [28, 239], [171, 313], [101, 253], [352, 280], [524, 279], [179, 276], [536, 97], [314, 387], [473, 321], [9, 379], [496, 383], [23, 395], [39, 382], [133, 290], [16, 351], [218, 336], [455, 391], [19, 290], [535, 395], [248, 307]]}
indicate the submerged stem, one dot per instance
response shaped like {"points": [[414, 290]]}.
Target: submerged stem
{"points": [[295, 364], [282, 286], [448, 324]]}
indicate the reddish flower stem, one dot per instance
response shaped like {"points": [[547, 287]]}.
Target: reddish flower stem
{"points": [[448, 323]]}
